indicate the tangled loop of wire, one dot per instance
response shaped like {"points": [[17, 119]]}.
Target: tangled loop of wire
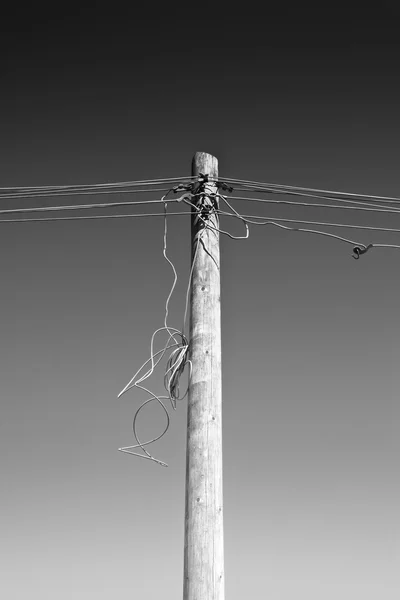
{"points": [[176, 364], [177, 343]]}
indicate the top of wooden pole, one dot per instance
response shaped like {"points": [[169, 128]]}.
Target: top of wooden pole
{"points": [[205, 163]]}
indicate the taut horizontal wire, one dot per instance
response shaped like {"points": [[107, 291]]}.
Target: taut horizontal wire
{"points": [[291, 187], [66, 194], [119, 216], [224, 213], [79, 206], [283, 192], [311, 204], [95, 185]]}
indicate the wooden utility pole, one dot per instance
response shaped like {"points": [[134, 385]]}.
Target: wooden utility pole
{"points": [[204, 577]]}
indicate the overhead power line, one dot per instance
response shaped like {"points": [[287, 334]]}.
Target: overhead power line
{"points": [[98, 185], [80, 206], [314, 190], [283, 192], [79, 193], [314, 204], [126, 187], [119, 204], [118, 216]]}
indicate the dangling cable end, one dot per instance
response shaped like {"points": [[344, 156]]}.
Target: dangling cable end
{"points": [[358, 250]]}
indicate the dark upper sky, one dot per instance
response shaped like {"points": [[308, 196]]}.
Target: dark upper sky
{"points": [[87, 79]]}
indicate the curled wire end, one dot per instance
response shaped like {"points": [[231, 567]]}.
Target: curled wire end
{"points": [[128, 450], [358, 250]]}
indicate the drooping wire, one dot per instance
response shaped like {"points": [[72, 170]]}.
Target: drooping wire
{"points": [[178, 359], [249, 219], [359, 248], [320, 223], [177, 342]]}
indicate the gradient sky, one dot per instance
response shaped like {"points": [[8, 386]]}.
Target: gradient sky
{"points": [[310, 336]]}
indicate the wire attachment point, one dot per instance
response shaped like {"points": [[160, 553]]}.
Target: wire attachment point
{"points": [[203, 178]]}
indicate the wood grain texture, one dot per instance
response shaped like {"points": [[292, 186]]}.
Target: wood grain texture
{"points": [[204, 547]]}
